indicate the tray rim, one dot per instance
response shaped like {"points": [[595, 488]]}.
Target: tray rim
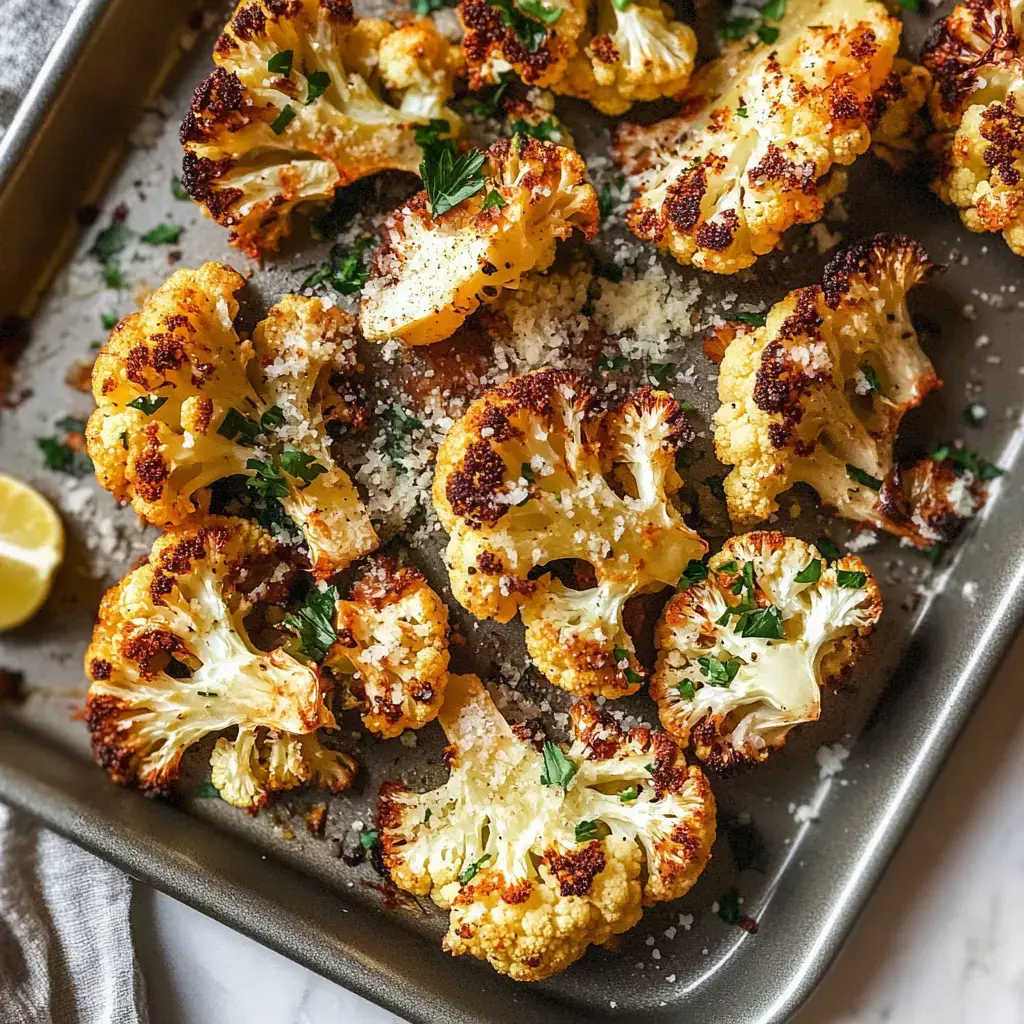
{"points": [[103, 833]]}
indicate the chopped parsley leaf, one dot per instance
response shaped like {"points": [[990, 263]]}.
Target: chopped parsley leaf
{"points": [[742, 112], [719, 673], [871, 376], [109, 321], [609, 271], [236, 427], [658, 372], [934, 554], [750, 319], [527, 473], [163, 234], [734, 28], [206, 693], [686, 690], [449, 179], [532, 31], [694, 573], [206, 790], [630, 794], [763, 624], [716, 485], [828, 549], [538, 9], [314, 623], [300, 465], [767, 34], [111, 240], [728, 568], [176, 189], [147, 403], [613, 363], [399, 424], [113, 276], [586, 830], [316, 85], [60, 457], [487, 105], [368, 838], [851, 579], [493, 198], [774, 10], [860, 476], [344, 270], [273, 417], [968, 460], [540, 131], [267, 479], [558, 769], [281, 63], [910, 6], [810, 573], [471, 872], [283, 119]]}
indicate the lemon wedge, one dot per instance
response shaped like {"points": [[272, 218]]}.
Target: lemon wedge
{"points": [[31, 550]]}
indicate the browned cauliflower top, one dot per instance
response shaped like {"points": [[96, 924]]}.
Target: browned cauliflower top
{"points": [[171, 661], [818, 393], [534, 473], [182, 402], [307, 97]]}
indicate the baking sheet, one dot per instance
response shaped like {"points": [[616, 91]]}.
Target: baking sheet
{"points": [[802, 846]]}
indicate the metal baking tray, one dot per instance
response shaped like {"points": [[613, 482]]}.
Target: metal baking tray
{"points": [[803, 848]]}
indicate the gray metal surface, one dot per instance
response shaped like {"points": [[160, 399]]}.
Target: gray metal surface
{"points": [[265, 876]]}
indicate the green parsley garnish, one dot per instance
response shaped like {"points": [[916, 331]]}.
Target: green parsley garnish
{"points": [[728, 568], [686, 690], [61, 457], [206, 790], [206, 693], [540, 131], [283, 119], [399, 424], [532, 31], [719, 673], [109, 321], [558, 769], [587, 830], [344, 270], [267, 479], [871, 376], [493, 198], [729, 907], [716, 485], [539, 9], [968, 460], [613, 363], [910, 6], [163, 234], [236, 427], [281, 63], [763, 624], [934, 554], [299, 465], [273, 417], [113, 276], [658, 372], [767, 34], [810, 573], [426, 6], [742, 112], [147, 403], [734, 28], [471, 872], [751, 319], [622, 655], [621, 5], [176, 188], [527, 473], [368, 838], [314, 623], [487, 105], [694, 573], [851, 579], [774, 10], [630, 794], [449, 179], [605, 201], [111, 241], [860, 476], [316, 85], [828, 549], [609, 271]]}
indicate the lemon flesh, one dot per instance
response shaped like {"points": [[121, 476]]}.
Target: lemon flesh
{"points": [[31, 550]]}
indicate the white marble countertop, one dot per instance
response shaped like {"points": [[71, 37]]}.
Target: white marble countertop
{"points": [[939, 941]]}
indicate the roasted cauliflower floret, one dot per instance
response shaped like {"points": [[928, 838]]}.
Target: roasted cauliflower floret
{"points": [[744, 653], [533, 474], [392, 647], [818, 393], [976, 56], [637, 52], [260, 762], [901, 126], [761, 135], [536, 39], [171, 661], [182, 401], [539, 853], [298, 106], [431, 272]]}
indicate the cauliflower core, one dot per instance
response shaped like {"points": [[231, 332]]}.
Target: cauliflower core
{"points": [[182, 401], [306, 97], [393, 647], [430, 273], [744, 654], [608, 53], [533, 474], [171, 661], [976, 56], [541, 853], [818, 393], [762, 131]]}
